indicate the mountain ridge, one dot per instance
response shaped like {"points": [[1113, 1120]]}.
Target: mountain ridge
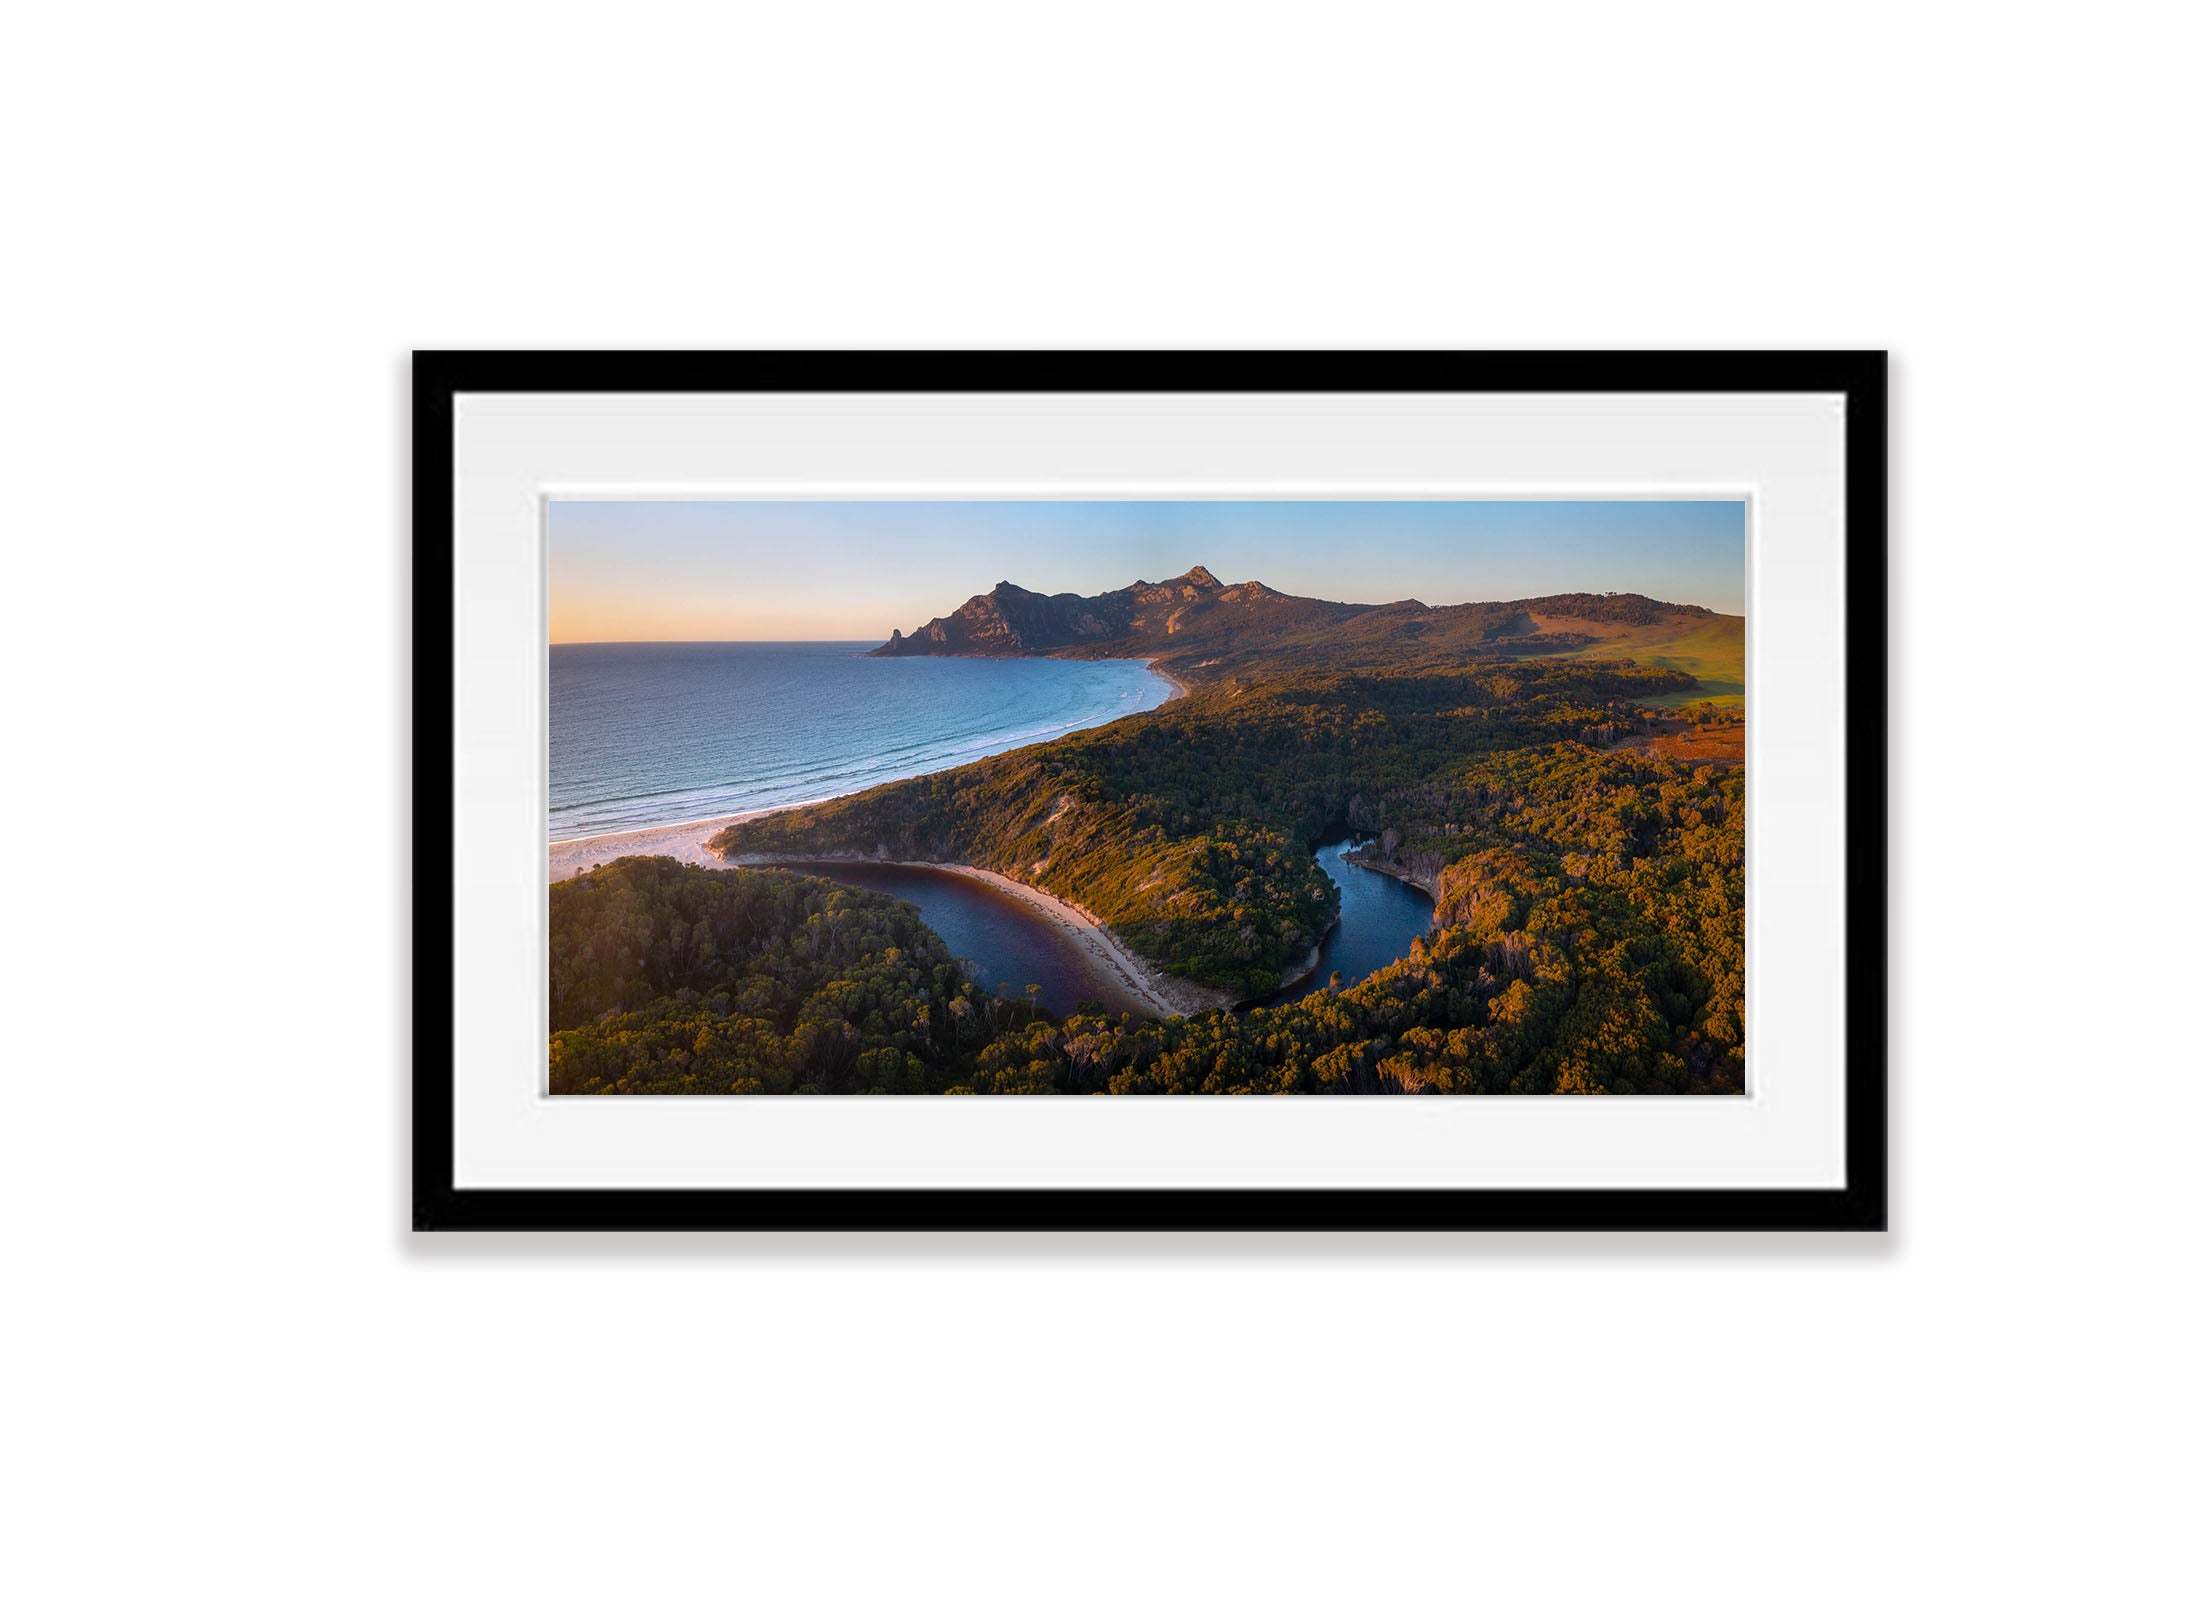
{"points": [[1198, 625], [1009, 619]]}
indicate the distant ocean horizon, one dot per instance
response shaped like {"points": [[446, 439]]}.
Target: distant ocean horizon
{"points": [[646, 735]]}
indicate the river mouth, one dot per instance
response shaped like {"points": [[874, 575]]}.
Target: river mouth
{"points": [[1378, 918]]}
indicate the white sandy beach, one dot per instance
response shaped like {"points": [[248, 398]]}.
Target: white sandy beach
{"points": [[683, 841]]}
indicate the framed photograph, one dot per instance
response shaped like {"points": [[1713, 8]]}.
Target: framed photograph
{"points": [[1117, 790]]}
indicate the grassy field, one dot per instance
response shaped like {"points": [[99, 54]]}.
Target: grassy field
{"points": [[1710, 648], [1680, 741]]}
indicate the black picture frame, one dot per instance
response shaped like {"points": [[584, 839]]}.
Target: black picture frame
{"points": [[439, 377]]}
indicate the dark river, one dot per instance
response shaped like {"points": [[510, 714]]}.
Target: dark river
{"points": [[1007, 941], [1011, 944], [1380, 918]]}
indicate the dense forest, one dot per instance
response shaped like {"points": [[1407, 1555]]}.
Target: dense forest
{"points": [[671, 979], [1587, 937], [1189, 830]]}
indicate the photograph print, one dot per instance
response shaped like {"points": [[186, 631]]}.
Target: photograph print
{"points": [[1146, 797]]}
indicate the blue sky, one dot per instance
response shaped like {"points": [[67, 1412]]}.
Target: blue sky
{"points": [[857, 569]]}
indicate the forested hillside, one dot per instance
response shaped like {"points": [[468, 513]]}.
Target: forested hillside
{"points": [[1588, 941], [1189, 830], [671, 979]]}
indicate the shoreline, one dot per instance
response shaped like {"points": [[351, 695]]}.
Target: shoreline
{"points": [[683, 841], [1178, 688], [1168, 996], [1304, 968], [1404, 875]]}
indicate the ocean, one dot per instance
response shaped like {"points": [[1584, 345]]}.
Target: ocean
{"points": [[647, 734]]}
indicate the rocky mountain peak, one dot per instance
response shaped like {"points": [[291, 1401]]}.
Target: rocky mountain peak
{"points": [[1011, 620]]}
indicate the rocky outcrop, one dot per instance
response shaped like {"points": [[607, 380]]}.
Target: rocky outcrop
{"points": [[1010, 621], [1421, 869]]}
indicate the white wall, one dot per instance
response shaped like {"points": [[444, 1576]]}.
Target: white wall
{"points": [[229, 1366]]}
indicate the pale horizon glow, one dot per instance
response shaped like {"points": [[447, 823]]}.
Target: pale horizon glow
{"points": [[855, 570]]}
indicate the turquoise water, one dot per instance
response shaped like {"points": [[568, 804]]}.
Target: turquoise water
{"points": [[645, 734]]}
